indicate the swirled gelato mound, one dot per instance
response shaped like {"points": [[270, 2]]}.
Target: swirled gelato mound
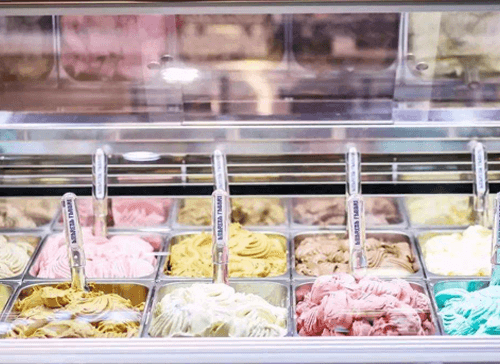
{"points": [[246, 211], [61, 312], [128, 212], [440, 210], [466, 254], [26, 212], [216, 310], [251, 254], [120, 256], [332, 211], [322, 254], [470, 313], [14, 256], [341, 305]]}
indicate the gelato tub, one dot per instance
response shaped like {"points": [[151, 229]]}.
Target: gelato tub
{"points": [[341, 305], [119, 256], [27, 213], [248, 211], [252, 254], [330, 212], [389, 254], [57, 311], [456, 253], [127, 212], [243, 309], [467, 308], [16, 253]]}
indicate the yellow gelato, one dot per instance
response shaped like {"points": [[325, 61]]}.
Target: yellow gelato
{"points": [[251, 254], [4, 296], [246, 211], [440, 210], [59, 311]]}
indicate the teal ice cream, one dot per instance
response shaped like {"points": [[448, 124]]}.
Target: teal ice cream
{"points": [[467, 313]]}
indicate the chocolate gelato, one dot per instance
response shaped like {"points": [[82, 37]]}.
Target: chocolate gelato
{"points": [[323, 254], [332, 211]]}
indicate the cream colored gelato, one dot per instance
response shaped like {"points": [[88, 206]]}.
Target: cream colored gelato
{"points": [[440, 210], [464, 254], [14, 256], [216, 310]]}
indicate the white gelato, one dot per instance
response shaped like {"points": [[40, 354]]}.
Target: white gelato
{"points": [[464, 254], [216, 310]]}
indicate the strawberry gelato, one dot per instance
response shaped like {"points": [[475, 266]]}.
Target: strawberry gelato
{"points": [[128, 212], [120, 256], [341, 305]]}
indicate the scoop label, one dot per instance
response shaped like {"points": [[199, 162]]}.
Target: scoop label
{"points": [[353, 171], [72, 226], [100, 175], [480, 168]]}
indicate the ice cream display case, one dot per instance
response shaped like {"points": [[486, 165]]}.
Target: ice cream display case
{"points": [[249, 182]]}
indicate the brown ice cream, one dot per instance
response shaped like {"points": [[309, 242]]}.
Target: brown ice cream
{"points": [[318, 255], [246, 211], [331, 211]]}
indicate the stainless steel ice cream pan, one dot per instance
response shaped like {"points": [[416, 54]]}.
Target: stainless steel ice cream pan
{"points": [[176, 238], [58, 225], [305, 286], [276, 293], [41, 216], [157, 240], [179, 204], [339, 218], [135, 291], [7, 290], [421, 237], [34, 239], [392, 237], [470, 285], [421, 225]]}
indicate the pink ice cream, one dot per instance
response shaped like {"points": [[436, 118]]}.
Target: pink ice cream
{"points": [[129, 212], [121, 256], [341, 305]]}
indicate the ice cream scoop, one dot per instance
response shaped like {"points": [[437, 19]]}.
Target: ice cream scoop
{"points": [[120, 256], [251, 254], [342, 305], [216, 310], [62, 312], [323, 254], [246, 211], [466, 254], [14, 256]]}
